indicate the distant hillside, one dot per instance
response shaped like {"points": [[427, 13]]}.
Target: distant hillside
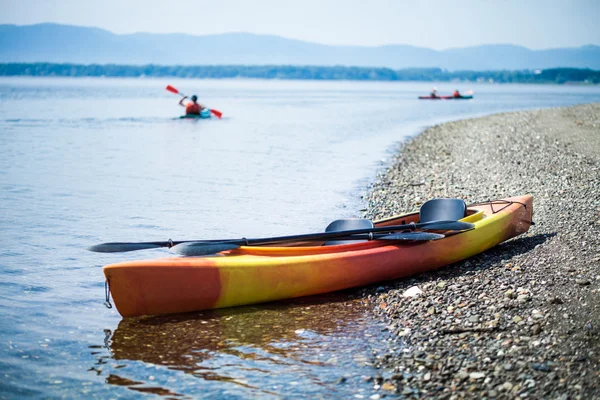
{"points": [[72, 44], [553, 75]]}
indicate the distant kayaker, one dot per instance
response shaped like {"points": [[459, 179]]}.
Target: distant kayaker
{"points": [[456, 93], [434, 92], [192, 107]]}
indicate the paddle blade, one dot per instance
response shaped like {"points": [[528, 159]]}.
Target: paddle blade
{"points": [[216, 113], [446, 226], [172, 89], [418, 236], [123, 247], [202, 248]]}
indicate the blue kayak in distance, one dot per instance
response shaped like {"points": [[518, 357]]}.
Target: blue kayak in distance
{"points": [[205, 113]]}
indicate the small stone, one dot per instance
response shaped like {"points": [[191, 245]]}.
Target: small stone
{"points": [[397, 377], [583, 282], [516, 319], [476, 375], [388, 386], [461, 375], [427, 376], [510, 294], [404, 332], [555, 300], [536, 329], [589, 327], [540, 367], [537, 315], [522, 298], [508, 367], [412, 292]]}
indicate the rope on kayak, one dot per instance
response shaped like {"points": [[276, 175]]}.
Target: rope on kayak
{"points": [[107, 293], [491, 203], [502, 201]]}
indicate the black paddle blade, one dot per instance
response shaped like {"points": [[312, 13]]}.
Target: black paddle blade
{"points": [[418, 236], [202, 248], [446, 226], [118, 247]]}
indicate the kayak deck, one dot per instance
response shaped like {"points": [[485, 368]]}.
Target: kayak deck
{"points": [[205, 113], [255, 274]]}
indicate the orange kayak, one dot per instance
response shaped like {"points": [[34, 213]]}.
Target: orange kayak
{"points": [[256, 274]]}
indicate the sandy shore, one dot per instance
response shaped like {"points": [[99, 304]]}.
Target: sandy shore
{"points": [[521, 320]]}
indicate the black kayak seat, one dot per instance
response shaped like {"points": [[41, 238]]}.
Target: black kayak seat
{"points": [[442, 210], [347, 224]]}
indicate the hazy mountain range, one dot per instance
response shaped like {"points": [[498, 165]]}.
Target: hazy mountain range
{"points": [[73, 44]]}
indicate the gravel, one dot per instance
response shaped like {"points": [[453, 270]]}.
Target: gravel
{"points": [[521, 320]]}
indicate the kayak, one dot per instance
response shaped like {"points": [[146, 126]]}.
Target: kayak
{"points": [[205, 113], [445, 98], [264, 273]]}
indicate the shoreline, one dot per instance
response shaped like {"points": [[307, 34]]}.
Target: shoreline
{"points": [[521, 319]]}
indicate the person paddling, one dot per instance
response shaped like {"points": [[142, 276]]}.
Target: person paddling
{"points": [[456, 93], [192, 107], [434, 92]]}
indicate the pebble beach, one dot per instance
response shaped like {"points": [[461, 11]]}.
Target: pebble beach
{"points": [[521, 320]]}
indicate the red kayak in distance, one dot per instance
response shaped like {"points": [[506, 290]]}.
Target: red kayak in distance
{"points": [[445, 98]]}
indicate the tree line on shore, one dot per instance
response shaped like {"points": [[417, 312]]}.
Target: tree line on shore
{"points": [[554, 75]]}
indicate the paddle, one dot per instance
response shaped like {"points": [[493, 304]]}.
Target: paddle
{"points": [[171, 89], [205, 249], [117, 247]]}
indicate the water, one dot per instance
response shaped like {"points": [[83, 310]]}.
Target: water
{"points": [[84, 161]]}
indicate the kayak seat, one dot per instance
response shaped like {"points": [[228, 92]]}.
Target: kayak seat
{"points": [[346, 225], [442, 210]]}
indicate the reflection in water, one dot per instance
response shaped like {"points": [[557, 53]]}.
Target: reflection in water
{"points": [[292, 348]]}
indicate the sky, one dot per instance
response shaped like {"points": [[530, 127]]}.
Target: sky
{"points": [[436, 24]]}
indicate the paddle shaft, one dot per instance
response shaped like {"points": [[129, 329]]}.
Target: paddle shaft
{"points": [[205, 249], [438, 225]]}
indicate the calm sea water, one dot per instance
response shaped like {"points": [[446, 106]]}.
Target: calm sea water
{"points": [[84, 161]]}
